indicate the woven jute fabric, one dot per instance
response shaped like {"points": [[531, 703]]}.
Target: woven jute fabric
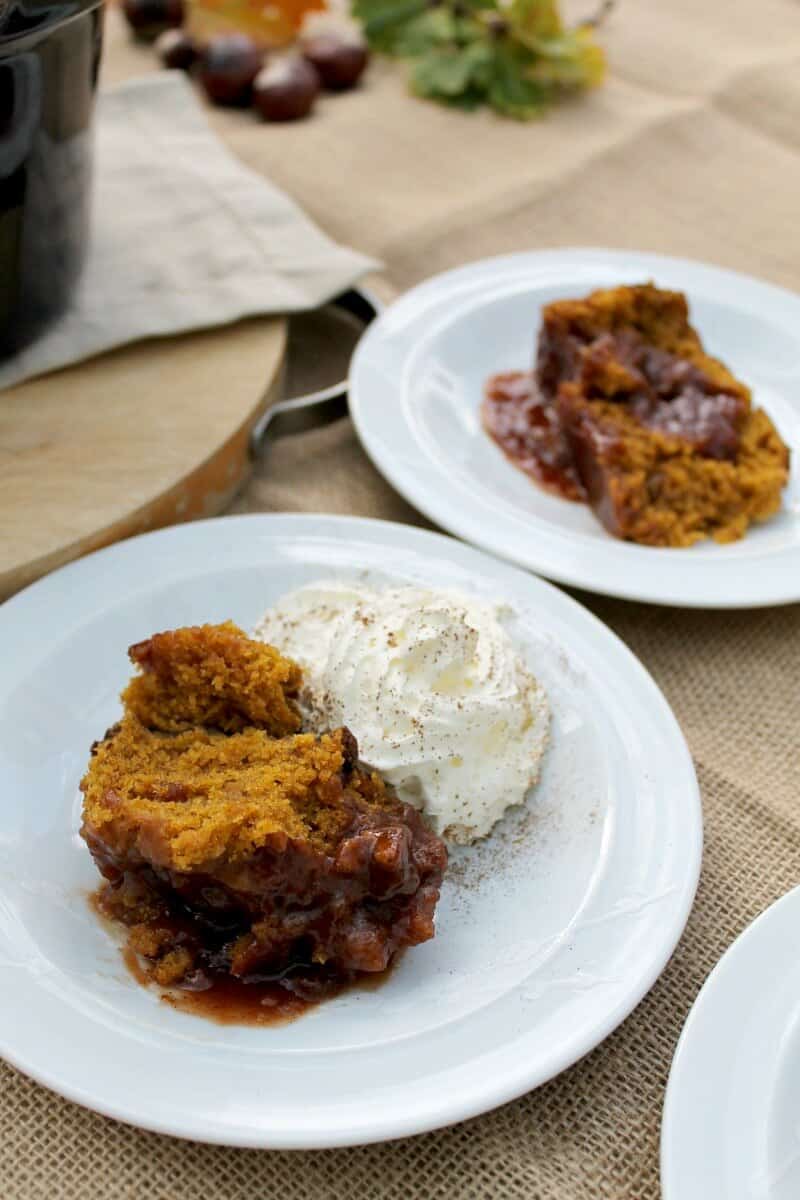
{"points": [[692, 147]]}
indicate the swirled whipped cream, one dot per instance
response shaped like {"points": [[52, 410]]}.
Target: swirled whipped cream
{"points": [[430, 684]]}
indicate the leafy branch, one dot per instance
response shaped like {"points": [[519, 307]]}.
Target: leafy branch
{"points": [[514, 55]]}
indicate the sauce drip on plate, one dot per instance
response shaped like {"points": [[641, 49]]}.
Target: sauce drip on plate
{"points": [[525, 425]]}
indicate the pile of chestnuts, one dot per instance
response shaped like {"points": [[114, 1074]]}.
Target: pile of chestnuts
{"points": [[231, 67]]}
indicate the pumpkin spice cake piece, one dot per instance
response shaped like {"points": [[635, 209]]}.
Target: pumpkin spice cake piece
{"points": [[664, 438], [249, 856], [212, 675]]}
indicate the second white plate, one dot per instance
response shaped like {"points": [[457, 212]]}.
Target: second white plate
{"points": [[416, 385]]}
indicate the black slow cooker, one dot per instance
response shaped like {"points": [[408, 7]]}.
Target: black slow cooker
{"points": [[49, 58]]}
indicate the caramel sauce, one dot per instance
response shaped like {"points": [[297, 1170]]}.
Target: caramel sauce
{"points": [[524, 424], [667, 394], [230, 1001], [226, 1000]]}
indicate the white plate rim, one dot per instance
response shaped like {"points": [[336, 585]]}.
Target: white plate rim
{"points": [[451, 1109], [696, 1054], [775, 581]]}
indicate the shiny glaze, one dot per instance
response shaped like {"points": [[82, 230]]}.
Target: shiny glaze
{"points": [[230, 1001], [663, 392], [226, 1000], [525, 425]]}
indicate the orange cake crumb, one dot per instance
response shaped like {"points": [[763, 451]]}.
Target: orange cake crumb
{"points": [[660, 316], [212, 675]]}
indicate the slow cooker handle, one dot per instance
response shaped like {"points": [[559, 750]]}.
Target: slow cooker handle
{"points": [[317, 408]]}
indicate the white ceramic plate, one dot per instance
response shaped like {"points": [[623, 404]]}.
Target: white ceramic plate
{"points": [[548, 933], [416, 385], [731, 1127]]}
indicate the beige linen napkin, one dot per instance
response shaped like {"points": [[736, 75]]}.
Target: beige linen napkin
{"points": [[183, 236]]}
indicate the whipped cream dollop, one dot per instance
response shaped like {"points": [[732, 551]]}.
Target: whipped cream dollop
{"points": [[432, 687]]}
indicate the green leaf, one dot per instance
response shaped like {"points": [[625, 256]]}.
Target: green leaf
{"points": [[480, 6], [510, 91], [455, 76], [436, 27], [574, 60], [481, 59], [558, 48], [468, 101], [537, 18], [514, 55], [384, 20], [444, 73]]}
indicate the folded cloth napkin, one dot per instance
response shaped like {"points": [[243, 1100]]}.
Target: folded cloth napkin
{"points": [[183, 235]]}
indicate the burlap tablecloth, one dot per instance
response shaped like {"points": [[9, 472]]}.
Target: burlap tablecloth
{"points": [[692, 147]]}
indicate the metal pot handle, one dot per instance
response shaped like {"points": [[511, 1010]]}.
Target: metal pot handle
{"points": [[317, 408]]}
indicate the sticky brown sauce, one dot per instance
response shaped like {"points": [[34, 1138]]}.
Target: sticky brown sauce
{"points": [[230, 1001], [526, 428]]}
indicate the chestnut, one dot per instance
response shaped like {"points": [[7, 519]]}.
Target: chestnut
{"points": [[149, 18], [339, 61], [227, 67], [286, 89], [176, 49]]}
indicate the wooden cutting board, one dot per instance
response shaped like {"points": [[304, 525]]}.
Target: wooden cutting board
{"points": [[144, 437]]}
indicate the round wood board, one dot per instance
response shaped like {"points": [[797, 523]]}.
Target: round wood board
{"points": [[147, 436]]}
